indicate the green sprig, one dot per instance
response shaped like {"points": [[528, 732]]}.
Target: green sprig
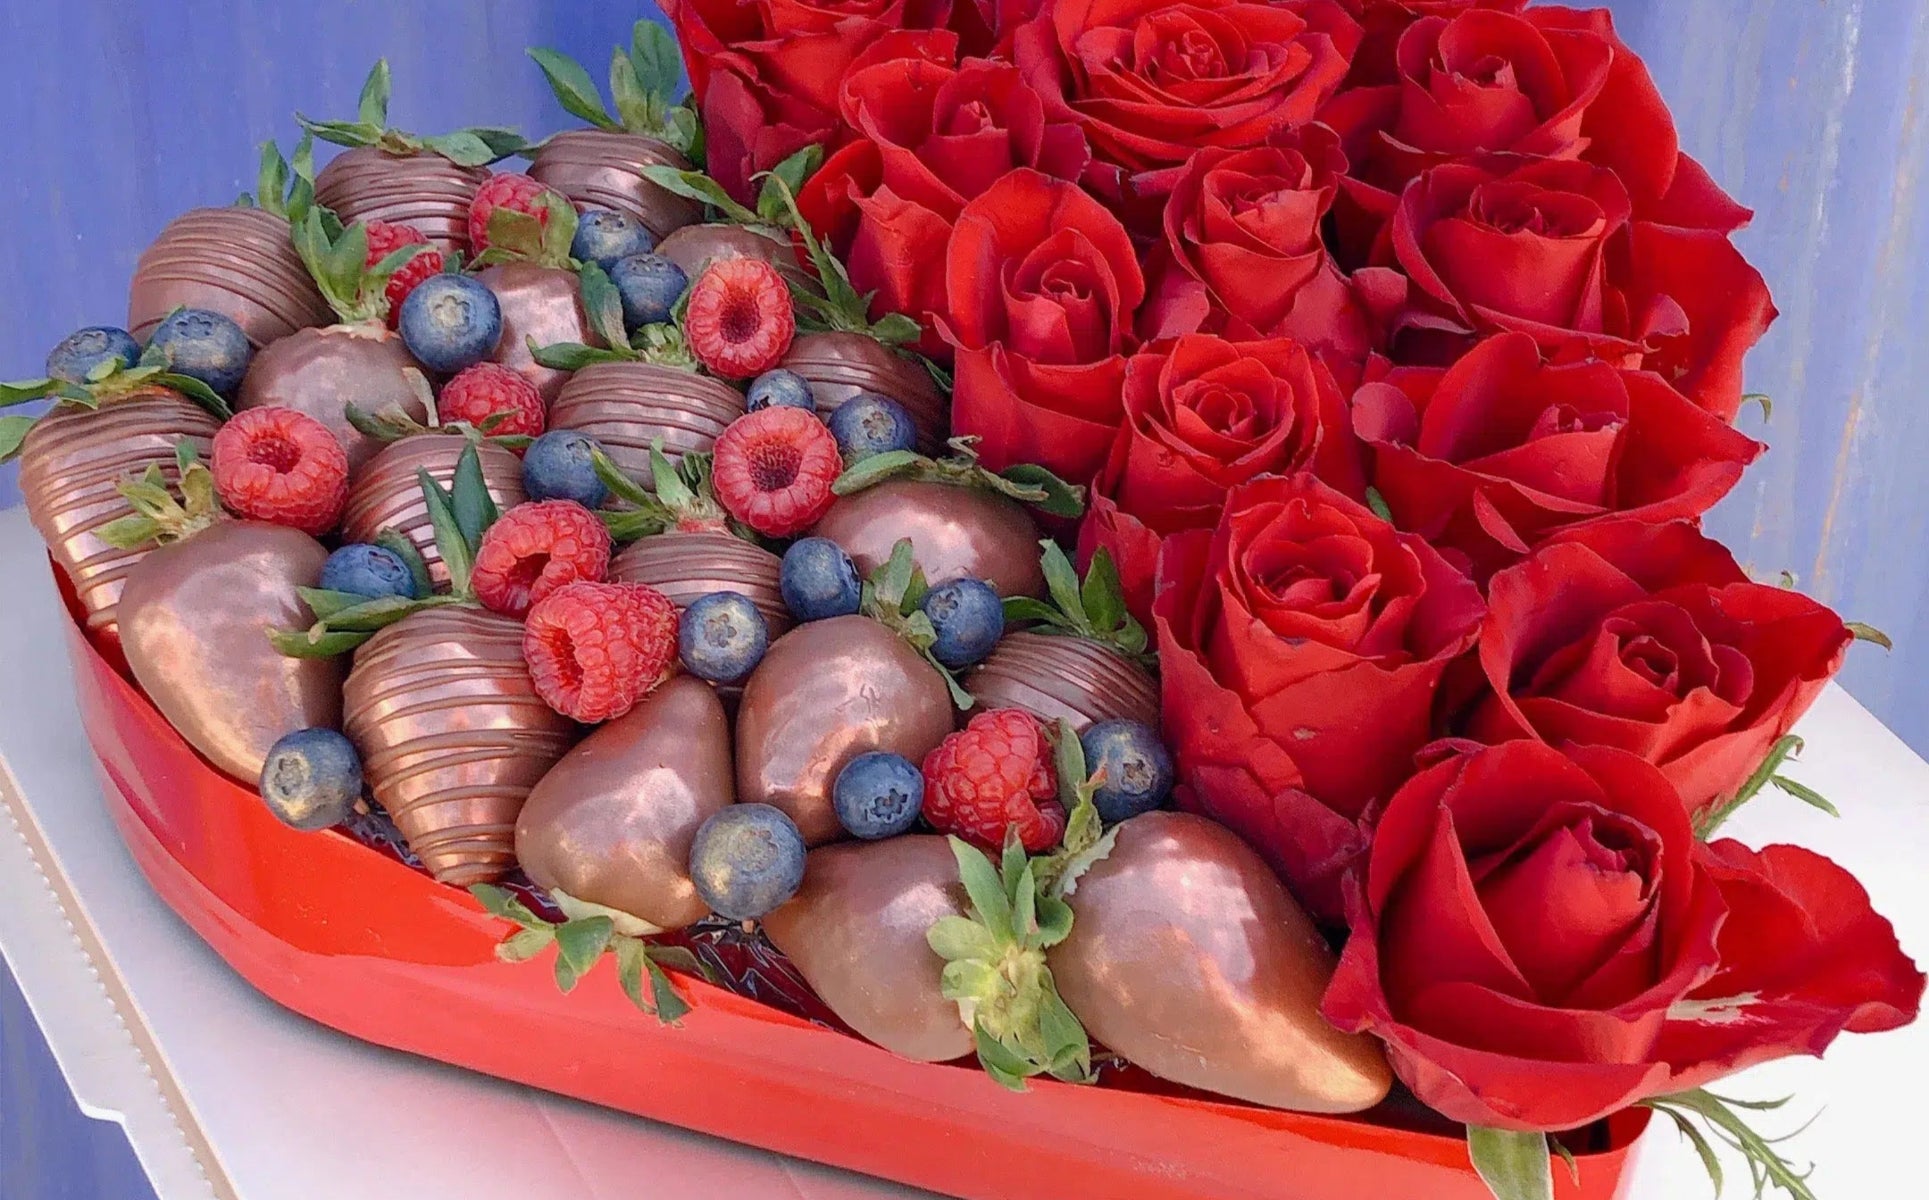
{"points": [[893, 596], [645, 81], [473, 147], [1723, 1118], [1786, 747], [580, 942], [1093, 609], [1023, 482], [1087, 842]]}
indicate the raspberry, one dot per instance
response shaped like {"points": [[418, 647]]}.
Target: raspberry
{"points": [[774, 469], [385, 239], [992, 775], [739, 321], [533, 549], [480, 392], [507, 190], [283, 466], [595, 649]]}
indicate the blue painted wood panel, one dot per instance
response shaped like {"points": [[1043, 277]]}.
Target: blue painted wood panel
{"points": [[1812, 111]]}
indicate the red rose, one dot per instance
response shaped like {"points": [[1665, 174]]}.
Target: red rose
{"points": [[1650, 639], [1301, 643], [765, 73], [932, 135], [1155, 81], [1385, 20], [985, 27], [1203, 416], [1541, 942], [1242, 252], [1550, 81], [1042, 285], [1499, 451], [1542, 247]]}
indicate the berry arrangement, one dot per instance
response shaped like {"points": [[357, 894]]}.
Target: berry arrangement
{"points": [[606, 534]]}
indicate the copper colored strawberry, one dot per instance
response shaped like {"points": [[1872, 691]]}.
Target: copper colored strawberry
{"points": [[386, 494]]}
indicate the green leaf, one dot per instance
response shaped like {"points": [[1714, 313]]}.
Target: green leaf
{"points": [[893, 579], [210, 400], [670, 1006], [1026, 610], [574, 89], [1068, 1048], [1717, 814], [1710, 1161], [876, 469], [1514, 1166], [1061, 579], [501, 142], [372, 107], [299, 643], [1567, 1156], [1061, 499], [631, 955], [341, 133], [693, 185], [1869, 633], [524, 945], [790, 174], [636, 110], [957, 938], [620, 485], [345, 262], [271, 183], [1807, 795], [125, 533], [574, 356], [982, 885], [325, 604], [1766, 1165], [24, 391], [1054, 921], [1011, 869], [1761, 398], [1377, 502], [469, 499], [1103, 594], [1000, 1062], [559, 231], [463, 148], [579, 944], [500, 902], [449, 539], [13, 431], [397, 543], [516, 232], [685, 132], [896, 329], [604, 305], [654, 60], [380, 613]]}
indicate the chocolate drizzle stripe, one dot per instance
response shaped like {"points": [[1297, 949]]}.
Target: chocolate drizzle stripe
{"points": [[687, 566], [602, 169], [1054, 676]]}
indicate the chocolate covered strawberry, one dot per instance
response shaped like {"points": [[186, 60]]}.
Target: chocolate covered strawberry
{"points": [[527, 231], [238, 261], [1079, 656], [385, 496], [603, 166], [422, 182], [116, 421], [357, 361], [965, 521]]}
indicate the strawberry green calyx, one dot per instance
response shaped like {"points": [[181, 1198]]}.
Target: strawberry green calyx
{"points": [[283, 188], [585, 934], [392, 424], [337, 258], [995, 969], [646, 82], [894, 597], [460, 514], [474, 147], [683, 499], [1094, 609], [158, 517], [1023, 482], [105, 383], [516, 236], [1086, 841], [661, 344]]}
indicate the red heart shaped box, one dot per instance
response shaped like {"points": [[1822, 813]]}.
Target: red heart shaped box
{"points": [[335, 931]]}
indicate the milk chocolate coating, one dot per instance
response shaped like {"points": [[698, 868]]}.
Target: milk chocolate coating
{"points": [[543, 304], [694, 247], [626, 406], [1053, 676], [236, 261], [452, 736], [825, 693], [613, 820], [688, 566], [70, 463], [1188, 958], [322, 371], [600, 168], [955, 532], [425, 192], [195, 618], [841, 365], [855, 930], [386, 493]]}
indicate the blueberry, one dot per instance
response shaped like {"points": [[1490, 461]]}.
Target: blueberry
{"points": [[818, 580], [560, 465], [722, 637], [868, 424], [204, 345], [785, 389], [878, 795], [312, 779], [1137, 766], [366, 570], [604, 235], [450, 322], [85, 349], [746, 860], [969, 619], [650, 286]]}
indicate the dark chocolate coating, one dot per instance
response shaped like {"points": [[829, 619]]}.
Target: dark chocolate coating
{"points": [[425, 192], [956, 532], [195, 618], [600, 168], [239, 262], [322, 371], [841, 365]]}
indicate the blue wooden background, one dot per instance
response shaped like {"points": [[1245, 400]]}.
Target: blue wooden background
{"points": [[118, 116]]}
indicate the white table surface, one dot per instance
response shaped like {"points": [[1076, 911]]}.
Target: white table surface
{"points": [[225, 1095]]}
